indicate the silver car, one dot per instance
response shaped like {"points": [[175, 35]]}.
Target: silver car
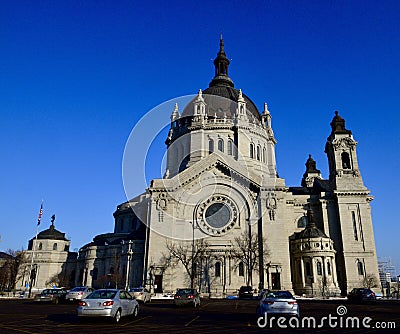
{"points": [[278, 302], [111, 303], [78, 293], [141, 294]]}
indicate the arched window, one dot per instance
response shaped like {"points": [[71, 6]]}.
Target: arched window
{"points": [[360, 268], [40, 246], [221, 145], [308, 269], [241, 269], [258, 153], [252, 150], [328, 268], [319, 268], [218, 269], [55, 246], [345, 161], [211, 146], [230, 147]]}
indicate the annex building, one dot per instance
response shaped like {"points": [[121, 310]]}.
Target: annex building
{"points": [[221, 217]]}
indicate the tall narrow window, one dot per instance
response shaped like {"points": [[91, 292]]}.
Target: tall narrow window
{"points": [[95, 273], [241, 269], [319, 268], [353, 216], [211, 146], [221, 145], [40, 246], [258, 152], [360, 268], [328, 268], [218, 269], [345, 160], [230, 147], [264, 157], [252, 150], [55, 246]]}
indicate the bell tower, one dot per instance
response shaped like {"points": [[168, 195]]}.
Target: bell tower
{"points": [[349, 210], [344, 172]]}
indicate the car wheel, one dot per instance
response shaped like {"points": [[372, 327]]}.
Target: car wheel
{"points": [[117, 316], [135, 312]]}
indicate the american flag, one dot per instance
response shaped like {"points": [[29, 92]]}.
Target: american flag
{"points": [[40, 214]]}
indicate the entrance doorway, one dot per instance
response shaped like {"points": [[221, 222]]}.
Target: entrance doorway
{"points": [[276, 281], [158, 284]]}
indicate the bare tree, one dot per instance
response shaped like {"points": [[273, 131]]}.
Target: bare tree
{"points": [[188, 254], [11, 270], [370, 281], [246, 249]]}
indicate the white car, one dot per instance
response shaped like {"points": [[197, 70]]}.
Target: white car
{"points": [[141, 294], [111, 303], [78, 293]]}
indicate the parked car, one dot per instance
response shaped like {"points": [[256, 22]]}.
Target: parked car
{"points": [[278, 302], [246, 292], [78, 293], [141, 294], [187, 297], [55, 295], [359, 295], [109, 303]]}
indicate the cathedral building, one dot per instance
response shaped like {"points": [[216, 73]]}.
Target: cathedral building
{"points": [[221, 195]]}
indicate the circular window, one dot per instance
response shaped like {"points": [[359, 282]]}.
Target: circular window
{"points": [[218, 215]]}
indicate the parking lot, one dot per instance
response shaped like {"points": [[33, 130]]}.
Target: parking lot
{"points": [[213, 316]]}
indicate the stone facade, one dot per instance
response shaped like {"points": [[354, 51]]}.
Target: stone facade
{"points": [[220, 187]]}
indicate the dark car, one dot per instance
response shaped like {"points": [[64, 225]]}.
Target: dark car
{"points": [[359, 295], [246, 292], [55, 295], [187, 297]]}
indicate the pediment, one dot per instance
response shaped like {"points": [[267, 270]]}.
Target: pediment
{"points": [[220, 165]]}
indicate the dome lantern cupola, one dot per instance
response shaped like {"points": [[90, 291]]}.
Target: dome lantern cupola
{"points": [[221, 63]]}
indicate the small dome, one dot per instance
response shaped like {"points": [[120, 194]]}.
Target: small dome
{"points": [[310, 232], [52, 234]]}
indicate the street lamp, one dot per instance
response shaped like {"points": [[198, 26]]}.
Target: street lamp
{"points": [[129, 254]]}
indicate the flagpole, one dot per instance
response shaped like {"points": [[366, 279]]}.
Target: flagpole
{"points": [[33, 250]]}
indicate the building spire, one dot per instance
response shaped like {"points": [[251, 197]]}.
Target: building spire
{"points": [[221, 63]]}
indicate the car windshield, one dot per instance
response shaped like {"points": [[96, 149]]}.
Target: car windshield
{"points": [[102, 294], [184, 292], [79, 289], [279, 294]]}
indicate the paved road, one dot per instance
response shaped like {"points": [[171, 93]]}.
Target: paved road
{"points": [[214, 316]]}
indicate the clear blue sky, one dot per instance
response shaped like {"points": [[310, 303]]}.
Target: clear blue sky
{"points": [[75, 77]]}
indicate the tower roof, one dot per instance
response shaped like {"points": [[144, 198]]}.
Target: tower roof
{"points": [[52, 234], [338, 125]]}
